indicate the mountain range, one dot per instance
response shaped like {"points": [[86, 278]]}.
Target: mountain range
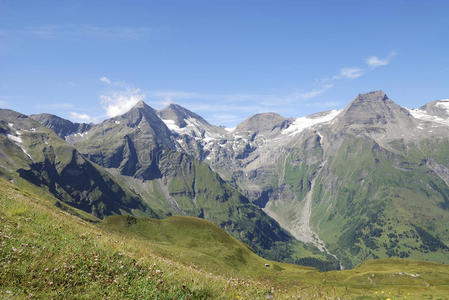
{"points": [[329, 190]]}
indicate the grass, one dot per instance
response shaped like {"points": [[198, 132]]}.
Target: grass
{"points": [[46, 252], [379, 204]]}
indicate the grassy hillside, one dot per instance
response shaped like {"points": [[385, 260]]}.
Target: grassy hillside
{"points": [[46, 252], [201, 192], [386, 205]]}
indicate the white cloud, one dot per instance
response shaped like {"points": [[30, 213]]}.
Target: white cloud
{"points": [[374, 61], [3, 103], [55, 106], [105, 80], [133, 33], [325, 104], [315, 93], [119, 102], [79, 117], [167, 97], [349, 73], [84, 30]]}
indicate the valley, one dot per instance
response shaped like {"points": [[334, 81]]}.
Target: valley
{"points": [[60, 253], [363, 189]]}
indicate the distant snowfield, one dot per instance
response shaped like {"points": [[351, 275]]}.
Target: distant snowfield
{"points": [[444, 104], [306, 122], [194, 129], [423, 115], [18, 141], [171, 125]]}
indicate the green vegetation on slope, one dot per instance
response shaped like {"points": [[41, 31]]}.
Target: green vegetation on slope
{"points": [[385, 205], [199, 191], [38, 155], [47, 253]]}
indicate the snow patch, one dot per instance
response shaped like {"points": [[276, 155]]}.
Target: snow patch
{"points": [[423, 115], [171, 125], [16, 139], [306, 122], [444, 104], [117, 122], [408, 274], [208, 139], [230, 129], [24, 151], [10, 124]]}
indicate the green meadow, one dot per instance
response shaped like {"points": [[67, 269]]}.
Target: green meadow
{"points": [[48, 250]]}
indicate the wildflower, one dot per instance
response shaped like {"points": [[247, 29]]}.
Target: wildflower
{"points": [[50, 283]]}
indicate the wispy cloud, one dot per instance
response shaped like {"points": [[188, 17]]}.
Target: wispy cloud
{"points": [[349, 73], [55, 106], [225, 118], [355, 72], [54, 31], [325, 104], [315, 92], [119, 97], [80, 117], [374, 61], [3, 103], [167, 97], [105, 80], [228, 108], [119, 102]]}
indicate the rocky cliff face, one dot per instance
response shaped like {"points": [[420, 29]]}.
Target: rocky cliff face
{"points": [[45, 160], [60, 126]]}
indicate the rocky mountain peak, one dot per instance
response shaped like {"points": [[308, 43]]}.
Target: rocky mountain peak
{"points": [[263, 122], [140, 112], [60, 126], [141, 104], [374, 96], [179, 115], [438, 108], [373, 109]]}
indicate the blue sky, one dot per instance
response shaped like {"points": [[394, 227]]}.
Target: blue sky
{"points": [[226, 60]]}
